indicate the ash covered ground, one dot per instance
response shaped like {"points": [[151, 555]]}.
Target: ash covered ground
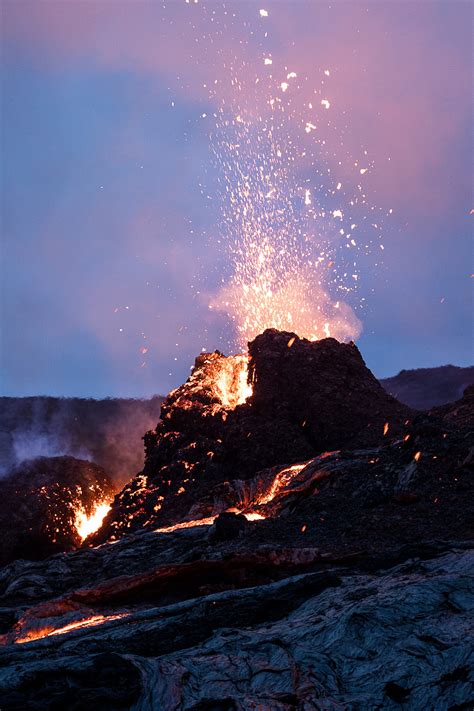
{"points": [[297, 539]]}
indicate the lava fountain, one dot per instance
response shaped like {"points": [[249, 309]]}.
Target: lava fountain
{"points": [[295, 217]]}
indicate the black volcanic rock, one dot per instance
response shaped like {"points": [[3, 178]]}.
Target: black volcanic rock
{"points": [[425, 388], [38, 504], [227, 526], [157, 618], [324, 387], [461, 412], [308, 397]]}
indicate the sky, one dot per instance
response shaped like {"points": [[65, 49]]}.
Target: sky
{"points": [[112, 239]]}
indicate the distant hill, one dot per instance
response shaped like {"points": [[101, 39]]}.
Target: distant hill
{"points": [[108, 432], [424, 388]]}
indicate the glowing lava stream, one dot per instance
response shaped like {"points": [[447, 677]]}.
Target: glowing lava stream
{"points": [[89, 523], [93, 621], [204, 522], [280, 481]]}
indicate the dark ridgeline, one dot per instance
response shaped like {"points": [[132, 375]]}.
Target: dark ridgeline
{"points": [[425, 388]]}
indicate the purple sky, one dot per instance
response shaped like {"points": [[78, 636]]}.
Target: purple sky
{"points": [[108, 242]]}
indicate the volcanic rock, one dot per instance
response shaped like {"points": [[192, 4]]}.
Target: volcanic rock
{"points": [[272, 629], [289, 400], [40, 501], [461, 412], [227, 525]]}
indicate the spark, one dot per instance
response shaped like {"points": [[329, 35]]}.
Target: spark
{"points": [[272, 244], [263, 13]]}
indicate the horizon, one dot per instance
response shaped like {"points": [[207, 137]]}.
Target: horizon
{"points": [[163, 395], [111, 210]]}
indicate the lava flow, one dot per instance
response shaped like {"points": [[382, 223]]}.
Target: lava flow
{"points": [[34, 634]]}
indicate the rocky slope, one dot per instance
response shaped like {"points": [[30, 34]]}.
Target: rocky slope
{"points": [[298, 539]]}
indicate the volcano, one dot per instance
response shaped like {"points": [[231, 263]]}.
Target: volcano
{"points": [[297, 538], [285, 402]]}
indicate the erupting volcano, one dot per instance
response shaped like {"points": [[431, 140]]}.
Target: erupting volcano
{"points": [[242, 414], [236, 205]]}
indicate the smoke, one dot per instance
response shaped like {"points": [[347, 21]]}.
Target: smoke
{"points": [[28, 444], [107, 432]]}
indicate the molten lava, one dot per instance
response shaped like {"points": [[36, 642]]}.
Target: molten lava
{"points": [[232, 386], [221, 379], [50, 631], [89, 523], [250, 516]]}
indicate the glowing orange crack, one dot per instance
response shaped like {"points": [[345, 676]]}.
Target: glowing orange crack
{"points": [[32, 635]]}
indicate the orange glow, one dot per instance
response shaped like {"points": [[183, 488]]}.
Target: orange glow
{"points": [[49, 631], [254, 517], [89, 523], [279, 482], [232, 385], [385, 428], [205, 522], [417, 456]]}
